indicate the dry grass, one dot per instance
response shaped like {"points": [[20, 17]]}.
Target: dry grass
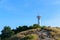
{"points": [[31, 37], [54, 32], [25, 33]]}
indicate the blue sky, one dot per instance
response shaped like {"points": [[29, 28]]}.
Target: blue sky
{"points": [[23, 12]]}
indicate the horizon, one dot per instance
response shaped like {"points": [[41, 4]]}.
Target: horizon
{"points": [[23, 12]]}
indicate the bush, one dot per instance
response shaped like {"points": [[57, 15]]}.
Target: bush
{"points": [[31, 37]]}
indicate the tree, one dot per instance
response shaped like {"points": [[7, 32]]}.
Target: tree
{"points": [[25, 27], [20, 28], [30, 27], [43, 27], [0, 36], [36, 26], [6, 33]]}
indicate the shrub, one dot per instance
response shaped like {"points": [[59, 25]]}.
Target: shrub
{"points": [[31, 37]]}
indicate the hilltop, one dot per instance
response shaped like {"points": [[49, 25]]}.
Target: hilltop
{"points": [[34, 32], [38, 34]]}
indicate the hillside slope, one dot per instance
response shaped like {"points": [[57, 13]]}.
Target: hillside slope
{"points": [[38, 34]]}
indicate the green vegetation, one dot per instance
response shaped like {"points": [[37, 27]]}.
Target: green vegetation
{"points": [[30, 37], [7, 32], [30, 33]]}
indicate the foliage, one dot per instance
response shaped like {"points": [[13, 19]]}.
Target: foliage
{"points": [[20, 28], [23, 28], [36, 26], [6, 33], [43, 27], [31, 37], [27, 32]]}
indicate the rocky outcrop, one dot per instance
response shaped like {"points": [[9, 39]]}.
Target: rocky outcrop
{"points": [[42, 34]]}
